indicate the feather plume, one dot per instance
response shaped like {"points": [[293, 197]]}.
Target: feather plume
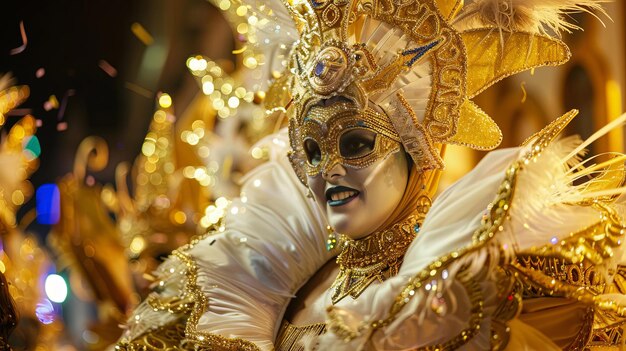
{"points": [[534, 16]]}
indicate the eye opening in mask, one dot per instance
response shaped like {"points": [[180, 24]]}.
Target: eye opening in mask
{"points": [[355, 143], [312, 151]]}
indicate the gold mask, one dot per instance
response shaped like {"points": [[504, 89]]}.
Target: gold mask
{"points": [[341, 134]]}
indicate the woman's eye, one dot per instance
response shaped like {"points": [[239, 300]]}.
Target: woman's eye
{"points": [[313, 152], [357, 143]]}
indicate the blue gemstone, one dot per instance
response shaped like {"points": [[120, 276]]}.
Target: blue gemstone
{"points": [[319, 68], [361, 123], [416, 228]]}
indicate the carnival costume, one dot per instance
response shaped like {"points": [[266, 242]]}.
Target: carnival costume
{"points": [[461, 271]]}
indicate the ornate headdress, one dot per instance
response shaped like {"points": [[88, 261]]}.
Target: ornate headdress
{"points": [[420, 62]]}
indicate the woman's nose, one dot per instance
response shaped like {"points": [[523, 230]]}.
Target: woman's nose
{"points": [[333, 169]]}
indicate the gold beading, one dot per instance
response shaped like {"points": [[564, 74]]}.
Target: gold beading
{"points": [[374, 258], [326, 125]]}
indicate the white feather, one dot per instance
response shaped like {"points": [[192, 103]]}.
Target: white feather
{"points": [[534, 16]]}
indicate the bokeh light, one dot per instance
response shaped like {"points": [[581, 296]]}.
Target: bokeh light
{"points": [[165, 100], [45, 311], [48, 206], [56, 288]]}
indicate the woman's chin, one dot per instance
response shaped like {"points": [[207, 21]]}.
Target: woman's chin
{"points": [[345, 224]]}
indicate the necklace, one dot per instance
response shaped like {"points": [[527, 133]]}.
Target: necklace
{"points": [[374, 258]]}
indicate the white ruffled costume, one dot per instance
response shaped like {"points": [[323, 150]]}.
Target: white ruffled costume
{"points": [[239, 281]]}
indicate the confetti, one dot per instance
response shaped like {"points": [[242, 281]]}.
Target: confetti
{"points": [[239, 51], [20, 112], [62, 126], [40, 72], [523, 92], [21, 48], [139, 90], [52, 103], [107, 68], [61, 113], [141, 33]]}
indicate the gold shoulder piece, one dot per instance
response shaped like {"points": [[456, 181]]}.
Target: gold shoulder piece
{"points": [[472, 119], [491, 58]]}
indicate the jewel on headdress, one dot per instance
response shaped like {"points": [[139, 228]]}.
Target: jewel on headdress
{"points": [[319, 68], [328, 74], [318, 3]]}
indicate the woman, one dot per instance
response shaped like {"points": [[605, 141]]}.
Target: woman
{"points": [[374, 91]]}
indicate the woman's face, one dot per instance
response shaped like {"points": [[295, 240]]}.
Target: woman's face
{"points": [[357, 174]]}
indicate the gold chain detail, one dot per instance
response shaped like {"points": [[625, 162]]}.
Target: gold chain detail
{"points": [[374, 258]]}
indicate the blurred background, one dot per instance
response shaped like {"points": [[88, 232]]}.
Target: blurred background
{"points": [[131, 122]]}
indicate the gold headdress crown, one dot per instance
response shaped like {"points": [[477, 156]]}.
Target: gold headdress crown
{"points": [[420, 61]]}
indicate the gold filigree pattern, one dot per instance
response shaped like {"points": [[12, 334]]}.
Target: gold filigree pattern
{"points": [[608, 327], [424, 23], [374, 258], [415, 139], [326, 125], [607, 336], [169, 337], [582, 275]]}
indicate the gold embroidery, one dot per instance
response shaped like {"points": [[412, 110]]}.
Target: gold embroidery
{"points": [[205, 340], [169, 337], [326, 126], [374, 258], [194, 302], [290, 336], [582, 275], [608, 327]]}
